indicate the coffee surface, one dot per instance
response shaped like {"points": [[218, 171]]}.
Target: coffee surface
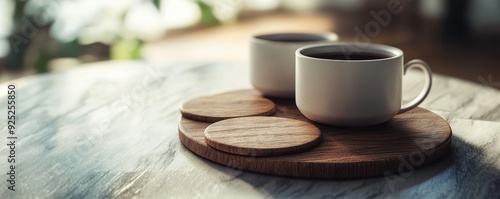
{"points": [[296, 39], [345, 56], [292, 37]]}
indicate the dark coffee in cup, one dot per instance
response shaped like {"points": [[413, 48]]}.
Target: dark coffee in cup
{"points": [[352, 56], [293, 37]]}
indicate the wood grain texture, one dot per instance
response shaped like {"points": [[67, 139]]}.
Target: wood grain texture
{"points": [[262, 136], [417, 137], [219, 107]]}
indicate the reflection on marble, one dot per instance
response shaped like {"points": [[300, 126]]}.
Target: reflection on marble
{"points": [[110, 130]]}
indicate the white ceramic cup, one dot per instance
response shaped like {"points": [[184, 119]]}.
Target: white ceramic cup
{"points": [[354, 92], [272, 60]]}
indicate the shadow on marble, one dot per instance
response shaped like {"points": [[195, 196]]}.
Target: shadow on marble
{"points": [[462, 172]]}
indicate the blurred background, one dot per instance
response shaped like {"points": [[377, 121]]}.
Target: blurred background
{"points": [[459, 38]]}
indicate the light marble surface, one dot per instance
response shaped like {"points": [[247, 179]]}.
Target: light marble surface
{"points": [[109, 130]]}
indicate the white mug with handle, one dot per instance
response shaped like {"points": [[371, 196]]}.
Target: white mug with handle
{"points": [[352, 85]]}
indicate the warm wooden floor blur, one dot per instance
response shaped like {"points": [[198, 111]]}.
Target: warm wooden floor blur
{"points": [[229, 43]]}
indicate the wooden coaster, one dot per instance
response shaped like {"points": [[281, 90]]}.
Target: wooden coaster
{"points": [[220, 107], [406, 142], [262, 136]]}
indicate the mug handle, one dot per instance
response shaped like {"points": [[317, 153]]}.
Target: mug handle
{"points": [[427, 86]]}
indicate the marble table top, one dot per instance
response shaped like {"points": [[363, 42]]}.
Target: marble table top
{"points": [[109, 130]]}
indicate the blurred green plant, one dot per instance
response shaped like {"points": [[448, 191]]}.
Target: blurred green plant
{"points": [[126, 49], [208, 17], [157, 3], [42, 62], [124, 44], [129, 48], [123, 48]]}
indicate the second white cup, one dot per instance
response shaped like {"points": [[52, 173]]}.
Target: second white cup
{"points": [[272, 60]]}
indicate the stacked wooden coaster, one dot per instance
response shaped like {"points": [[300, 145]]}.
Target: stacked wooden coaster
{"points": [[245, 129], [271, 136]]}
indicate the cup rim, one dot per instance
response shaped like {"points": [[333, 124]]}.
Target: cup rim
{"points": [[326, 36], [396, 52]]}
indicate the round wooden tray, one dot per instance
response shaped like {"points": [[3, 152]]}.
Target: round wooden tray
{"points": [[409, 140]]}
